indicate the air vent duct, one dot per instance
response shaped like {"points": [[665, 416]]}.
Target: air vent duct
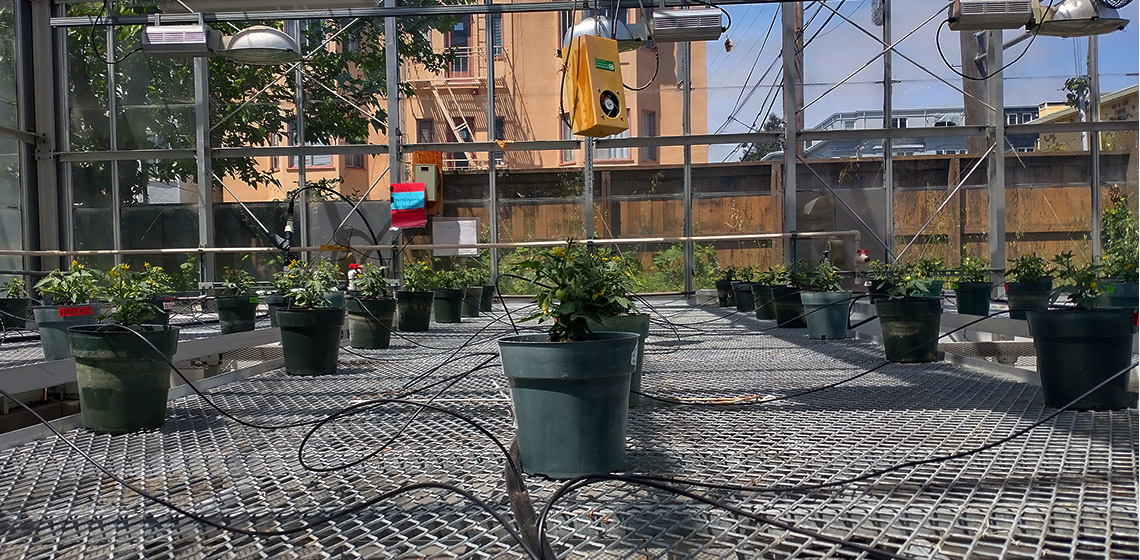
{"points": [[976, 15], [679, 26]]}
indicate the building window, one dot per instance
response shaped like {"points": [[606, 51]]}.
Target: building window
{"points": [[310, 161], [274, 162], [1026, 117], [899, 122], [648, 130], [849, 124], [565, 156], [615, 154], [459, 42], [497, 34], [459, 159], [355, 161], [425, 131], [1011, 118], [500, 134]]}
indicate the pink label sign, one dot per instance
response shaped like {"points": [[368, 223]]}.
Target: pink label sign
{"points": [[79, 311]]}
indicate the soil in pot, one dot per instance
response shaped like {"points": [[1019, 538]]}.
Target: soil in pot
{"points": [[1023, 296], [310, 339], [762, 301], [789, 307], [237, 313], [448, 306], [742, 293], [826, 314], [910, 328], [973, 298], [414, 310], [472, 301], [1077, 350]]}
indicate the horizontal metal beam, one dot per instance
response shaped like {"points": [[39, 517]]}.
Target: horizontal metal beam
{"points": [[549, 145], [25, 137], [377, 12]]}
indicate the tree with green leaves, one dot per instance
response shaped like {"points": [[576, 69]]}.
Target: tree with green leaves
{"points": [[757, 150]]}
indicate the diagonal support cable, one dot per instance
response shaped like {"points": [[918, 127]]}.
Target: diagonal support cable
{"points": [[850, 210], [965, 177]]}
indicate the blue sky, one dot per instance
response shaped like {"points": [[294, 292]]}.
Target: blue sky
{"points": [[740, 83]]}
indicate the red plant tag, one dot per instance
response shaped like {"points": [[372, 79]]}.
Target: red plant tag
{"points": [[80, 311], [167, 303]]}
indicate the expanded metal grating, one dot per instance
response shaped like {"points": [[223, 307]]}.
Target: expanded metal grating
{"points": [[1065, 490]]}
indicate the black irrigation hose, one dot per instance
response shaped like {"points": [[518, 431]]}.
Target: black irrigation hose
{"points": [[303, 526]]}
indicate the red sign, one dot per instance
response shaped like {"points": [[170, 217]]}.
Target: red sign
{"points": [[79, 311], [408, 200]]}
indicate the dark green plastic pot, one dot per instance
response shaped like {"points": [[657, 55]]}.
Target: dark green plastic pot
{"points": [[1024, 296], [274, 302], [472, 301], [1077, 349], [570, 401], [414, 310], [1124, 295], [487, 302], [724, 293], [310, 339], [637, 324], [370, 322], [164, 303], [742, 293], [826, 314], [973, 298], [448, 305], [789, 308], [123, 382], [910, 328], [236, 313], [54, 320], [762, 301], [14, 312]]}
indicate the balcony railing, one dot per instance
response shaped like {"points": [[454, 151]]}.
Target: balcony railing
{"points": [[468, 68]]}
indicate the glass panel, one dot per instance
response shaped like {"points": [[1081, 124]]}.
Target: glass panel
{"points": [[159, 211], [87, 84], [92, 209], [952, 228], [8, 102], [233, 227], [11, 219]]}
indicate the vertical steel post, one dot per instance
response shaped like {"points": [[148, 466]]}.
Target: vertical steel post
{"points": [[686, 56], [588, 187], [995, 96], [302, 198], [392, 88], [113, 129], [1093, 114], [492, 189], [888, 150], [53, 213], [203, 153], [25, 93], [791, 131]]}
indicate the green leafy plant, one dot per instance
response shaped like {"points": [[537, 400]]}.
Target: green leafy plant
{"points": [[1119, 240], [185, 279], [577, 284], [972, 269], [798, 275], [825, 277], [1029, 268], [904, 280], [418, 277], [774, 276], [237, 282], [450, 280], [371, 283], [14, 288], [130, 294], [73, 286], [879, 271], [307, 285], [1081, 282], [726, 273]]}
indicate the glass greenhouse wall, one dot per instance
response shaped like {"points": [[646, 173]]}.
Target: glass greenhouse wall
{"points": [[119, 158]]}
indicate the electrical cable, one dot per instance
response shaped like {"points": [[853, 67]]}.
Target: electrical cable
{"points": [[95, 51], [656, 68], [938, 44]]}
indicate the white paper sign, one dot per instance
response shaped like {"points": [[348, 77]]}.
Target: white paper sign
{"points": [[453, 231]]}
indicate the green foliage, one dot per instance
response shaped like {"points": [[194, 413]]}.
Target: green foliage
{"points": [[1029, 268], [879, 271], [668, 272], [903, 280], [73, 286], [798, 275], [726, 273], [418, 277], [930, 267], [757, 150], [774, 276], [158, 90], [747, 274], [185, 279], [973, 269], [307, 285], [157, 280], [371, 283], [450, 280], [237, 282], [576, 284], [1120, 241], [1077, 89], [14, 288], [130, 294], [825, 277], [1080, 282]]}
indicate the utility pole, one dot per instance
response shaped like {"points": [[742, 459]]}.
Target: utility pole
{"points": [[975, 113]]}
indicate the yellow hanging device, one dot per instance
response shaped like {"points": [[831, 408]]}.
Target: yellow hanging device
{"points": [[593, 77]]}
